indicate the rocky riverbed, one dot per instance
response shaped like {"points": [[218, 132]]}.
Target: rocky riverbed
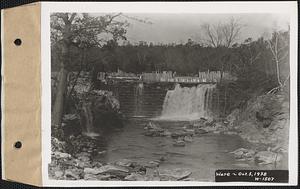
{"points": [[78, 156], [81, 165]]}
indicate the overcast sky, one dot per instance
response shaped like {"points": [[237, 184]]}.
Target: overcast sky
{"points": [[168, 28], [178, 28]]}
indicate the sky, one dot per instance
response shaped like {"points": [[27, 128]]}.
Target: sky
{"points": [[178, 28]]}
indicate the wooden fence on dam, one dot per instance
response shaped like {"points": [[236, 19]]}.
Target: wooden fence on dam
{"points": [[168, 76], [203, 77]]}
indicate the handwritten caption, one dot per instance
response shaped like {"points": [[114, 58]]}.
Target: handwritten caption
{"points": [[280, 176]]}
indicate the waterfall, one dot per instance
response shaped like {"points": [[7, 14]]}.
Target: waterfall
{"points": [[138, 94], [188, 103], [89, 120]]}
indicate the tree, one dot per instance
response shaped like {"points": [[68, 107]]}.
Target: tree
{"points": [[222, 37], [82, 31], [279, 47], [217, 35]]}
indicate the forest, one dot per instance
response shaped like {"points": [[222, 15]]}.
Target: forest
{"points": [[259, 64]]}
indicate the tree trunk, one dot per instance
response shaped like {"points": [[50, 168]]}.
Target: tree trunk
{"points": [[83, 58], [60, 95], [225, 101], [58, 109]]}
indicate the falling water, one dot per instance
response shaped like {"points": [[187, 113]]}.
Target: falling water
{"points": [[138, 93], [188, 103], [88, 117]]}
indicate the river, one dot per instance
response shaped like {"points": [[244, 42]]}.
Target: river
{"points": [[203, 156]]}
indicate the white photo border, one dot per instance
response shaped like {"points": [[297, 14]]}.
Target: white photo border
{"points": [[277, 7]]}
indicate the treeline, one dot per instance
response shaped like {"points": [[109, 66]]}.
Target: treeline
{"points": [[250, 60], [185, 59], [260, 65]]}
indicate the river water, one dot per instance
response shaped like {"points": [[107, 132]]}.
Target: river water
{"points": [[203, 156]]}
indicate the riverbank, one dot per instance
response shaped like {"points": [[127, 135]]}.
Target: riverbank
{"points": [[191, 151]]}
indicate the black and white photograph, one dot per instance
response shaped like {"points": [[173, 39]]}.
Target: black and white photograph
{"points": [[170, 96]]}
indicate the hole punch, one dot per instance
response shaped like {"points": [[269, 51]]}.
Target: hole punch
{"points": [[18, 42], [18, 145]]}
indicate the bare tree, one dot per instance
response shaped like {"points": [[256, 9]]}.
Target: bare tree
{"points": [[225, 34], [279, 47]]}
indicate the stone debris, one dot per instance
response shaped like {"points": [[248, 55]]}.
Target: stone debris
{"points": [[267, 157], [173, 174], [243, 153], [179, 143], [125, 163], [135, 177]]}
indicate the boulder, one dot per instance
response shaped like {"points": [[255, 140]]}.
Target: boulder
{"points": [[90, 177], [174, 174], [178, 134], [58, 174], [179, 143], [188, 126], [82, 164], [152, 126], [84, 158], [92, 171], [200, 131], [166, 133], [125, 163], [188, 139], [113, 170], [152, 133], [96, 177], [151, 164], [57, 145], [61, 155], [81, 154], [135, 177], [152, 175], [243, 153], [72, 174], [267, 157]]}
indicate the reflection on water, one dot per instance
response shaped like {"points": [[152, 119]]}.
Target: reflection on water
{"points": [[203, 156]]}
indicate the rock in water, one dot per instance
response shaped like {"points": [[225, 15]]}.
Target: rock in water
{"points": [[92, 171], [243, 153], [200, 131], [175, 174], [135, 177], [166, 133], [267, 157], [114, 170], [188, 139], [152, 126], [96, 177], [179, 143], [179, 134], [90, 177], [125, 163]]}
